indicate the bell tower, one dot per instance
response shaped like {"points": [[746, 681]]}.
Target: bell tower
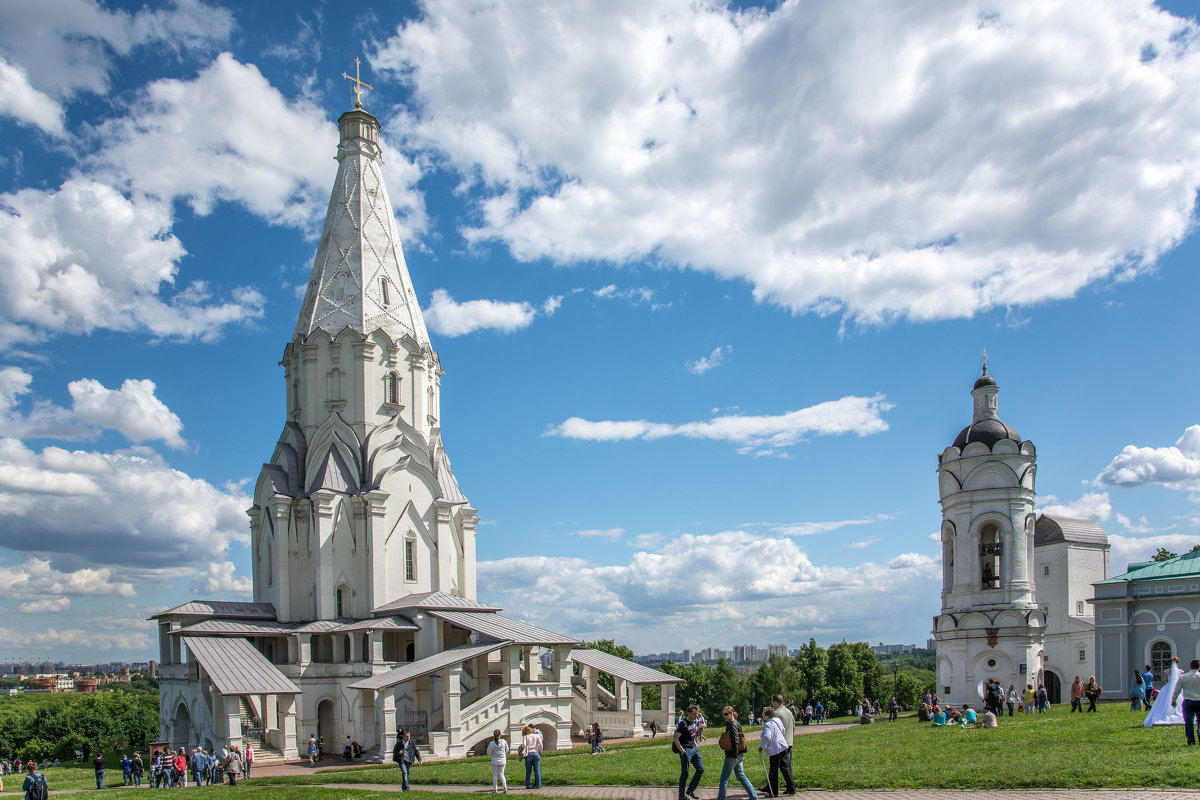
{"points": [[990, 625]]}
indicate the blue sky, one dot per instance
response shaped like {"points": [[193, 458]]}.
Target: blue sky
{"points": [[710, 284]]}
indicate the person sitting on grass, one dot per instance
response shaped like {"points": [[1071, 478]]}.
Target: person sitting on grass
{"points": [[969, 715], [939, 718]]}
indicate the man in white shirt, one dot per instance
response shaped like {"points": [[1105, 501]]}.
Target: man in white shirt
{"points": [[1189, 685], [788, 723]]}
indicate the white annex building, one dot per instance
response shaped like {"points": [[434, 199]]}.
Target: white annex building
{"points": [[1015, 586], [364, 615]]}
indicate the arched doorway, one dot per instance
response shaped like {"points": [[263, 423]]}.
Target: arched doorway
{"points": [[549, 736], [326, 722], [1053, 687], [181, 727]]}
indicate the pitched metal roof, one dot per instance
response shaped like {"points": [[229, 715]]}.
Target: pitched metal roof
{"points": [[621, 668], [433, 600], [236, 667], [416, 669], [220, 608], [1050, 530], [233, 627], [489, 623], [1184, 566], [395, 623], [318, 626]]}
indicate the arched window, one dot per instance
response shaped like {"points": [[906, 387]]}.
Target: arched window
{"points": [[384, 295], [391, 388], [948, 559], [366, 647], [990, 550], [339, 604], [270, 565], [410, 559], [1160, 660]]}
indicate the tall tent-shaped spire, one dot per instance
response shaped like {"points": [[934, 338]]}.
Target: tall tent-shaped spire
{"points": [[359, 279]]}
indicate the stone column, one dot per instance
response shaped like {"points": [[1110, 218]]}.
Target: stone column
{"points": [[562, 667], [233, 722], [285, 711], [368, 735], [304, 651], [452, 700], [668, 702], [591, 681], [621, 692], [385, 710], [511, 656], [636, 690]]}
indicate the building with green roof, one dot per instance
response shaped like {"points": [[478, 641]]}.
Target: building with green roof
{"points": [[1146, 616]]}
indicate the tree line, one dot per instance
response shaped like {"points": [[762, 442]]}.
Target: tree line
{"points": [[36, 726], [838, 677]]}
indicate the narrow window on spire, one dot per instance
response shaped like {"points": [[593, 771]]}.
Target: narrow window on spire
{"points": [[410, 559], [339, 609], [383, 292], [391, 388], [270, 568]]}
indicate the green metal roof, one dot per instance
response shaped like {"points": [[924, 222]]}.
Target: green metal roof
{"points": [[1184, 566]]}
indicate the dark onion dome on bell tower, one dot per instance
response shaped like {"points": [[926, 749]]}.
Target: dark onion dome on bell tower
{"points": [[985, 426]]}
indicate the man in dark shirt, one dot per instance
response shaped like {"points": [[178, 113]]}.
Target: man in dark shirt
{"points": [[689, 753], [98, 763]]}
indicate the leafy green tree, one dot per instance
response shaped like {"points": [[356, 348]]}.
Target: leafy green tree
{"points": [[774, 676], [698, 686], [729, 689], [908, 690], [1163, 554], [810, 664], [876, 684], [843, 678]]}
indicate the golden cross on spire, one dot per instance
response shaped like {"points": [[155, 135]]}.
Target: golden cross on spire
{"points": [[985, 361], [358, 84]]}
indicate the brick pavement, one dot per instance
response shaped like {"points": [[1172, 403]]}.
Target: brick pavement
{"points": [[667, 793]]}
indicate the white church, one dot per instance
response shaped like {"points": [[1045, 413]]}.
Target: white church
{"points": [[364, 616], [1015, 586]]}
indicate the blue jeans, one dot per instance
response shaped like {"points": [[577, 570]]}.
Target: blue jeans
{"points": [[127, 776], [1191, 712], [689, 756], [734, 765], [533, 768], [99, 779], [404, 768]]}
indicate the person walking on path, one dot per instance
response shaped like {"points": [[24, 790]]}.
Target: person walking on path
{"points": [[530, 750], [788, 723], [684, 743], [139, 769], [734, 745], [312, 751], [1189, 687], [407, 754], [247, 760], [774, 744], [497, 751], [98, 764], [596, 738], [1010, 699], [127, 771], [35, 787], [1092, 692]]}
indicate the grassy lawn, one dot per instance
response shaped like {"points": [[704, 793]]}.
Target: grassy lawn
{"points": [[260, 792], [1056, 750]]}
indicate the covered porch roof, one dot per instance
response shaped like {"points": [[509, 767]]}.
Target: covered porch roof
{"points": [[492, 624], [415, 669], [620, 668], [235, 667]]}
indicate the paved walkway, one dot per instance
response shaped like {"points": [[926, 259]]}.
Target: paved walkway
{"points": [[665, 793]]}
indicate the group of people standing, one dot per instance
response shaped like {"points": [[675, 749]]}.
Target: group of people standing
{"points": [[1079, 691], [170, 769], [529, 751]]}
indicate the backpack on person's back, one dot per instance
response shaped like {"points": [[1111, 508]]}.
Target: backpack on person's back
{"points": [[39, 790]]}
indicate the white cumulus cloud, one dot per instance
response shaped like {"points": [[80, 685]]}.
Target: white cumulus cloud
{"points": [[133, 410], [1176, 466], [20, 100], [923, 160], [447, 317], [860, 415], [220, 578], [1095, 506]]}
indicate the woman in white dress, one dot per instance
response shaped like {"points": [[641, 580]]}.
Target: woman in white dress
{"points": [[497, 751]]}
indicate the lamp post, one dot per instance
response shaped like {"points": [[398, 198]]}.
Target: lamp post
{"points": [[895, 678]]}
